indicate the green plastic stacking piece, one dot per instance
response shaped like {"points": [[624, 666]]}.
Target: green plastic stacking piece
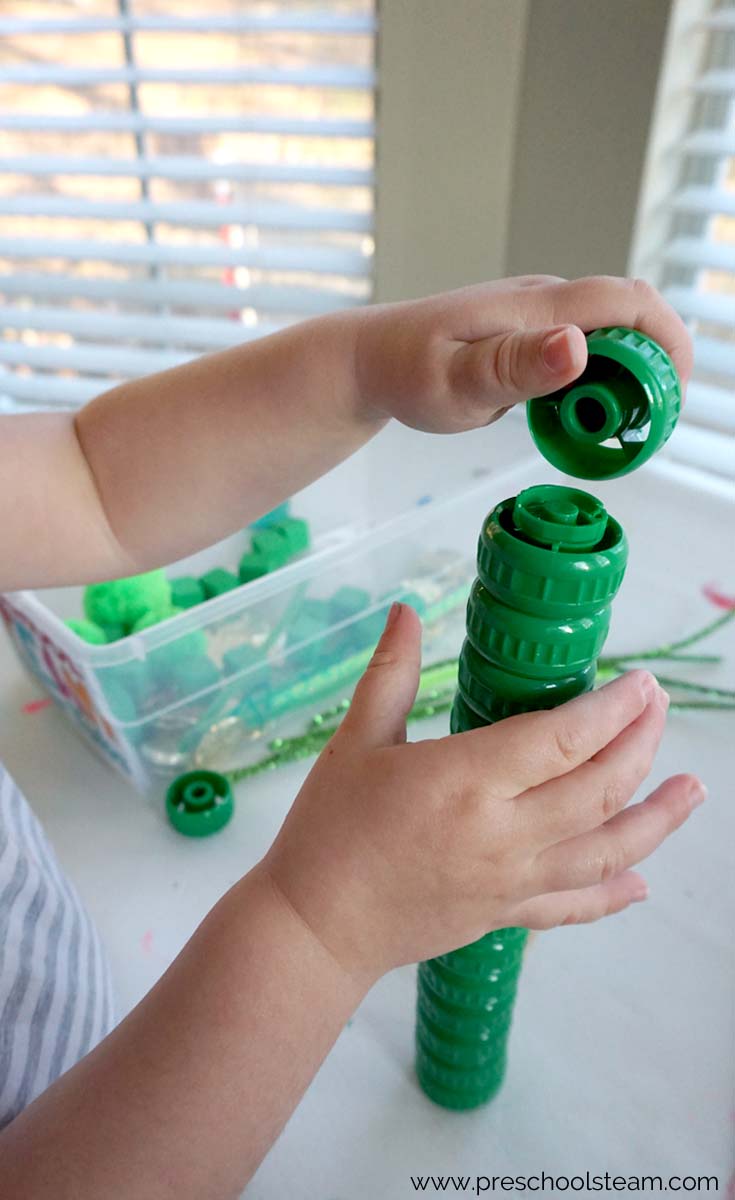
{"points": [[88, 631], [199, 803], [549, 564], [620, 411]]}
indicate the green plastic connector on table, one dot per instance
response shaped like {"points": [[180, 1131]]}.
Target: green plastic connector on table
{"points": [[199, 803], [218, 581], [186, 592], [88, 631], [621, 410], [550, 562], [124, 601]]}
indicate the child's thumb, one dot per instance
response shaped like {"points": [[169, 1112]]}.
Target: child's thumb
{"points": [[384, 695], [517, 365]]}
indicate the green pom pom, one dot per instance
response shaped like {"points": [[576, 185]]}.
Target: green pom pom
{"points": [[88, 632], [113, 633], [125, 601]]}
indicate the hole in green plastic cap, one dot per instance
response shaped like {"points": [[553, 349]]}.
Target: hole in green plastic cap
{"points": [[591, 414]]}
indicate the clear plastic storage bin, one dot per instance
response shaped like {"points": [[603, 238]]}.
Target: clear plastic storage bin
{"points": [[212, 685]]}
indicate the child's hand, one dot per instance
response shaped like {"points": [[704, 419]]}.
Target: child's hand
{"points": [[459, 360], [397, 852]]}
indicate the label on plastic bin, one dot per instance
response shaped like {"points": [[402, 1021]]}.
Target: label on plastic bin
{"points": [[61, 676]]}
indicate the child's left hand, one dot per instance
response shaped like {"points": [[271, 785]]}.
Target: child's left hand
{"points": [[461, 359]]}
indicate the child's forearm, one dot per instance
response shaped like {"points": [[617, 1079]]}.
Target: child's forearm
{"points": [[159, 467], [186, 1096]]}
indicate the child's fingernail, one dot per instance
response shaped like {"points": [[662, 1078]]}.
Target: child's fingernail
{"points": [[640, 893], [664, 699], [697, 794], [394, 613], [556, 351]]}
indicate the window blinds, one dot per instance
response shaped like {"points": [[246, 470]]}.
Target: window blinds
{"points": [[685, 240], [174, 178]]}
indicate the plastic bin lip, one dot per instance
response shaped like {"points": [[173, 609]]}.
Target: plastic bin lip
{"points": [[339, 545]]}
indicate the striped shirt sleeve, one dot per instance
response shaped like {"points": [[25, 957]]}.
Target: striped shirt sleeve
{"points": [[55, 990]]}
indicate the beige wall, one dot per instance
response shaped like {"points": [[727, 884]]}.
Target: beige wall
{"points": [[590, 74], [512, 136], [450, 73]]}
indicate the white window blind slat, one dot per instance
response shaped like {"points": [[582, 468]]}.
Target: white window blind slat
{"points": [[184, 293], [49, 391], [330, 260], [176, 179], [207, 214], [326, 21], [136, 122], [310, 77], [199, 332], [685, 235], [172, 167]]}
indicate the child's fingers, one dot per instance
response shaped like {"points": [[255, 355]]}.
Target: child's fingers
{"points": [[601, 787], [517, 364], [384, 695], [525, 751], [607, 300], [588, 303], [583, 905], [625, 840]]}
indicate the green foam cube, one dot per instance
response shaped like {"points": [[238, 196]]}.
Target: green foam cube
{"points": [[186, 592], [217, 582]]}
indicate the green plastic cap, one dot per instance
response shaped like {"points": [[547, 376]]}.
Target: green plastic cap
{"points": [[621, 410], [199, 803]]}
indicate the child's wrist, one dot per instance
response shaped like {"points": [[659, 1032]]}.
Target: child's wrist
{"points": [[350, 980]]}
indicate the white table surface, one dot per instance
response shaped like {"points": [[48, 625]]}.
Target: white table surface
{"points": [[623, 1050]]}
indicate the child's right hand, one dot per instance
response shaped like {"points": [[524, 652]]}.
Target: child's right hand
{"points": [[397, 852]]}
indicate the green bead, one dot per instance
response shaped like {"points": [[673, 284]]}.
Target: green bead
{"points": [[186, 592], [124, 601], [629, 394], [217, 582], [87, 631], [199, 803]]}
